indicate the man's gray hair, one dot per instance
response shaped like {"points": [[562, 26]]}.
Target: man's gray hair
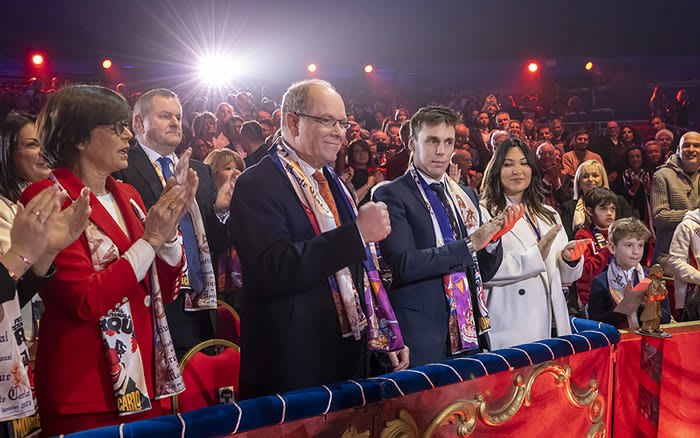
{"points": [[295, 98], [664, 132], [144, 103]]}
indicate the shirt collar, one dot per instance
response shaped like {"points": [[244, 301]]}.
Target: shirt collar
{"points": [[153, 155], [305, 167], [430, 180]]}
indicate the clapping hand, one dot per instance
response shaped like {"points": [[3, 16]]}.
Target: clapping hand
{"points": [[575, 249], [66, 226], [225, 193], [496, 227]]}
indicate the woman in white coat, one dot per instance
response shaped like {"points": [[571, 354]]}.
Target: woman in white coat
{"points": [[525, 299]]}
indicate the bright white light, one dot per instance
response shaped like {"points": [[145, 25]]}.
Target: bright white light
{"points": [[216, 70]]}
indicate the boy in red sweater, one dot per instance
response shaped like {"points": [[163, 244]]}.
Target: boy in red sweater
{"points": [[600, 211]]}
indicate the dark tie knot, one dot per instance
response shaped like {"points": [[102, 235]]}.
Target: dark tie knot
{"points": [[438, 188]]}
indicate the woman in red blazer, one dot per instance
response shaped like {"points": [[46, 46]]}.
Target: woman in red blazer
{"points": [[93, 362]]}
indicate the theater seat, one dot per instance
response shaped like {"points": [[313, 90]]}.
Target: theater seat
{"points": [[205, 374], [228, 323]]}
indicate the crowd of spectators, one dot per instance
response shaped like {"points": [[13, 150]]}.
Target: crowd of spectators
{"points": [[590, 176]]}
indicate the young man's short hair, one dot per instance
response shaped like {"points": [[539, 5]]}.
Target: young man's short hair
{"points": [[626, 227], [432, 115], [599, 197]]}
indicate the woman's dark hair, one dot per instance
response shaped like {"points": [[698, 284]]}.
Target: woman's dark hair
{"points": [[11, 185], [71, 114], [198, 124], [492, 189], [362, 144], [635, 135]]}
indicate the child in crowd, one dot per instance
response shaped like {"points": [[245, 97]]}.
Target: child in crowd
{"points": [[684, 254], [599, 203], [614, 298]]}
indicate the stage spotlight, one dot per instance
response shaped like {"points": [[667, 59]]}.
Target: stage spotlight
{"points": [[216, 69], [312, 68], [369, 68], [533, 67], [589, 66], [37, 59], [107, 64]]}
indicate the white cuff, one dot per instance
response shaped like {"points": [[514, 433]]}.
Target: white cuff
{"points": [[171, 252], [140, 256]]}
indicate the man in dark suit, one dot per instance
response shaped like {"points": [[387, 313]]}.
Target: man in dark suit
{"points": [[478, 136], [158, 128], [290, 334], [417, 263]]}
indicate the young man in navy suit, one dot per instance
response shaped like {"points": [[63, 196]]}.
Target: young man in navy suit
{"points": [[438, 250]]}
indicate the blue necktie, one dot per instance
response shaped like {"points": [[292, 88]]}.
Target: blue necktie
{"points": [[189, 241]]}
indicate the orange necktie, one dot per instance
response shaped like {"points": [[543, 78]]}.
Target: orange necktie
{"points": [[326, 194]]}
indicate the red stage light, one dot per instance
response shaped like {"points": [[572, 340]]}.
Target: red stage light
{"points": [[106, 64], [533, 67], [589, 66], [312, 68], [369, 68], [37, 59]]}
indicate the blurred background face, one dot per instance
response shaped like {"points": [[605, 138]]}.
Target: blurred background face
{"points": [[657, 124], [590, 177], [653, 153], [461, 135], [627, 135], [28, 161], [634, 159], [613, 130], [665, 141], [557, 128], [483, 120], [545, 134], [581, 142]]}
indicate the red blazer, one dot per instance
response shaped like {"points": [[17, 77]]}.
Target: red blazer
{"points": [[593, 265], [72, 376]]}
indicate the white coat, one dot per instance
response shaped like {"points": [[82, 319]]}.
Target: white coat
{"points": [[527, 290], [679, 251]]}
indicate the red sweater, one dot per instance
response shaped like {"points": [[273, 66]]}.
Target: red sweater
{"points": [[593, 265]]}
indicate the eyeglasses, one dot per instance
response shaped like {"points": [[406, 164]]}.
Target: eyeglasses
{"points": [[326, 121], [119, 127]]}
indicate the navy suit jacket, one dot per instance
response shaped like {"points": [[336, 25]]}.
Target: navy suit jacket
{"points": [[290, 336], [417, 267], [186, 328], [601, 304]]}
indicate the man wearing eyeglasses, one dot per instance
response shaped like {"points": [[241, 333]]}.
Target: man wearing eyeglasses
{"points": [[304, 256], [158, 129]]}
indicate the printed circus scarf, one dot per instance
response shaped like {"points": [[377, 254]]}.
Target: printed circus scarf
{"points": [[378, 317], [462, 325], [16, 400], [206, 298], [117, 328], [617, 280]]}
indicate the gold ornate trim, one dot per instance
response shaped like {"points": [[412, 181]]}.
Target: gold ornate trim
{"points": [[465, 413], [352, 432]]}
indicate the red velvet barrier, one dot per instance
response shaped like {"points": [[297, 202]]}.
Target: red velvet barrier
{"points": [[549, 413], [679, 388]]}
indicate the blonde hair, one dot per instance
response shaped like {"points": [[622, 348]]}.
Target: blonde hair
{"points": [[626, 227], [220, 158], [579, 171]]}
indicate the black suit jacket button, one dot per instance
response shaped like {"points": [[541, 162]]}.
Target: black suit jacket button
{"points": [[521, 291]]}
